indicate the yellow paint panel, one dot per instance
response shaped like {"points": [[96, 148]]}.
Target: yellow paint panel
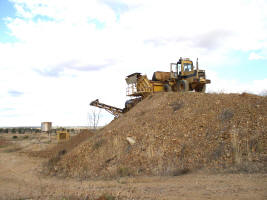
{"points": [[62, 136], [188, 61], [158, 88]]}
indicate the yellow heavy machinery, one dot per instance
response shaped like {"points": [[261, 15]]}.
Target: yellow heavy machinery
{"points": [[183, 77], [63, 136], [111, 109]]}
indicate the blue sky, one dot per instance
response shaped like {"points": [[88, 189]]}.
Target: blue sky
{"points": [[6, 10], [57, 56], [243, 69]]}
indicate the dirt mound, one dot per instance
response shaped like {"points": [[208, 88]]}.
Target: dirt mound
{"points": [[63, 147], [171, 133]]}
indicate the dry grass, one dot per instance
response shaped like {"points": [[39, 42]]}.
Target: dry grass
{"points": [[244, 152], [237, 153], [99, 143], [8, 147], [104, 196], [12, 149], [124, 171]]}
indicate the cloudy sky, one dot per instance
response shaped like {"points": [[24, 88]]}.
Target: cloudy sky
{"points": [[58, 55]]}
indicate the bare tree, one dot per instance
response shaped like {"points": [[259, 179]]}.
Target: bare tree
{"points": [[93, 117]]}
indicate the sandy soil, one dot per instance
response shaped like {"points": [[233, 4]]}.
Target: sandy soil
{"points": [[20, 179]]}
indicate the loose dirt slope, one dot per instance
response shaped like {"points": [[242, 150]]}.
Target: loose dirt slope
{"points": [[174, 133]]}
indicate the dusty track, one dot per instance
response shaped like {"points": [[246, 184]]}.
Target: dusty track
{"points": [[20, 179]]}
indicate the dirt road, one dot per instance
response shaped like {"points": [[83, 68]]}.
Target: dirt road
{"points": [[20, 179]]}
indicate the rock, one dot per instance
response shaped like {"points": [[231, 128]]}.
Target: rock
{"points": [[130, 140]]}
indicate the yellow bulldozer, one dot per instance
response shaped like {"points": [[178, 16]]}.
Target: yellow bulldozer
{"points": [[183, 77]]}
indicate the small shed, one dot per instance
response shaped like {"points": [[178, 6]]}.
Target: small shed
{"points": [[46, 126]]}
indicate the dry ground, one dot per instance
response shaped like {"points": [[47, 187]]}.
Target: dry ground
{"points": [[20, 178]]}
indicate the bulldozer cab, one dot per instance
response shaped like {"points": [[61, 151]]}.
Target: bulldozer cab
{"points": [[183, 68]]}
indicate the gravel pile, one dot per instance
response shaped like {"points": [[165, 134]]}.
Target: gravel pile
{"points": [[174, 133]]}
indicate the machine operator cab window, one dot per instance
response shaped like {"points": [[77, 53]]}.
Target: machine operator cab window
{"points": [[184, 66], [188, 67]]}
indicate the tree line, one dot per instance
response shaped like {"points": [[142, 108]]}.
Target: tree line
{"points": [[22, 130]]}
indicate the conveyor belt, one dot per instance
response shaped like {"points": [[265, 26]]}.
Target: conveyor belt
{"points": [[111, 109]]}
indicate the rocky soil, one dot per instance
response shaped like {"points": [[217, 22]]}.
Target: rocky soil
{"points": [[173, 134]]}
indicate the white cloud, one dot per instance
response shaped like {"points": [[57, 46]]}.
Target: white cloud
{"points": [[71, 52], [255, 56], [219, 85]]}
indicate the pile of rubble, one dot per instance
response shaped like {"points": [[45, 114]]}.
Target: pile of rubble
{"points": [[173, 133]]}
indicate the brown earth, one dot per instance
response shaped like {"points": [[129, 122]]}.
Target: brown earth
{"points": [[20, 179], [3, 142], [64, 147], [173, 134], [179, 146]]}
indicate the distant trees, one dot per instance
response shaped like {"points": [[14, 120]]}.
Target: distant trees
{"points": [[23, 130], [28, 130]]}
